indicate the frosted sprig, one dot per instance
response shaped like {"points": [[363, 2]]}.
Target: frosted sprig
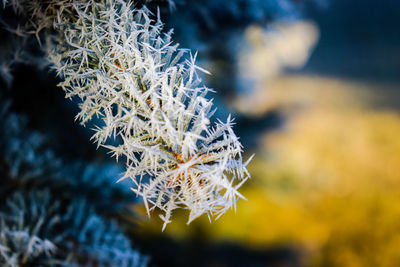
{"points": [[25, 225], [125, 70], [35, 230], [118, 62], [97, 241]]}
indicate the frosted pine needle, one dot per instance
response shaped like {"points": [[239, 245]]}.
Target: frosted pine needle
{"points": [[125, 70]]}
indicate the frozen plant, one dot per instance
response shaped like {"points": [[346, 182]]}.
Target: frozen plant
{"points": [[35, 230], [24, 231], [125, 70], [97, 241]]}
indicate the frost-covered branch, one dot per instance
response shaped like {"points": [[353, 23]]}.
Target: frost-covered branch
{"points": [[125, 70]]}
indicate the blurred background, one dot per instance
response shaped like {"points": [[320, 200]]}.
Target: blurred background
{"points": [[314, 86], [316, 93]]}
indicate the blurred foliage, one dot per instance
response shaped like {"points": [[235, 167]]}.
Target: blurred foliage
{"points": [[328, 183]]}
